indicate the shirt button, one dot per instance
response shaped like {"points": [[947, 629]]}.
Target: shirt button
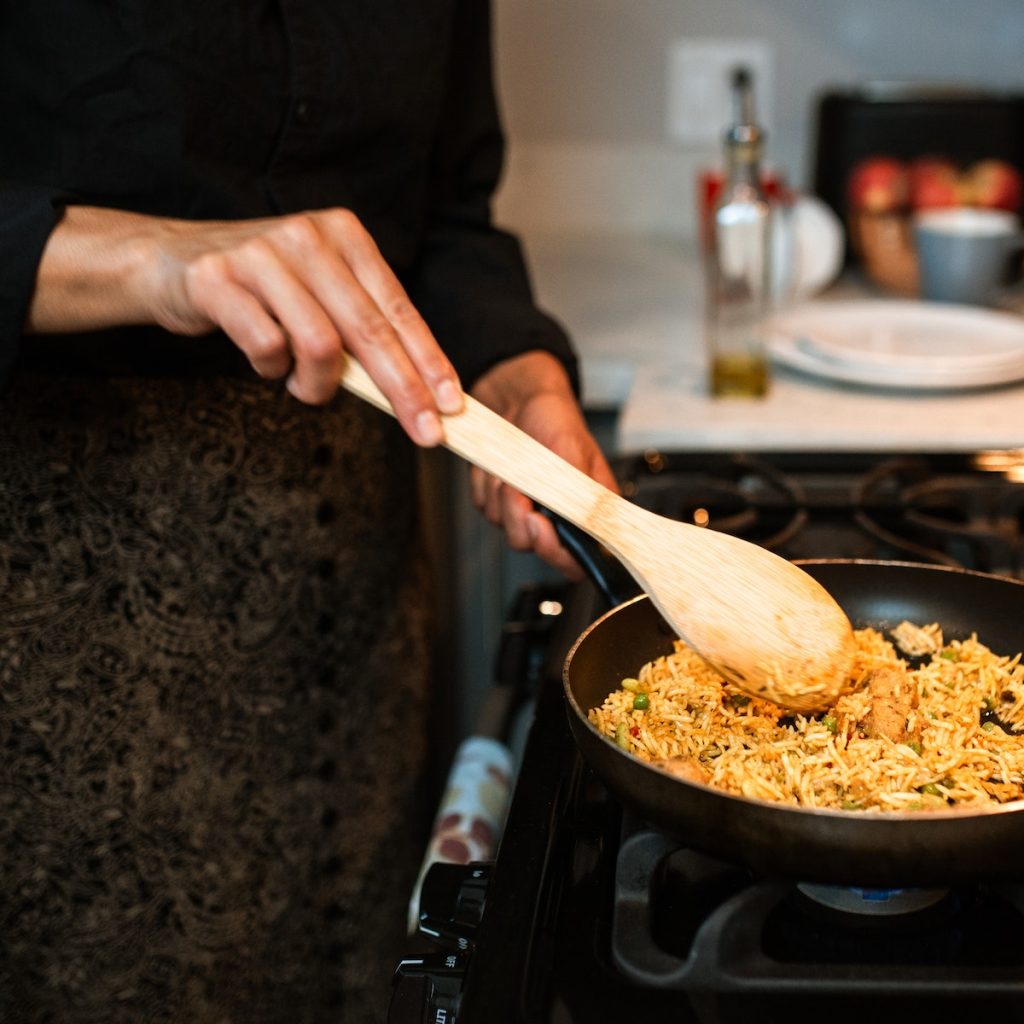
{"points": [[302, 111]]}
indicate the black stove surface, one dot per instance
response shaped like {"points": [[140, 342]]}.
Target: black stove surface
{"points": [[590, 916], [545, 945]]}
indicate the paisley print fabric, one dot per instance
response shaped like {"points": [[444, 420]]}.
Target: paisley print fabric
{"points": [[212, 691]]}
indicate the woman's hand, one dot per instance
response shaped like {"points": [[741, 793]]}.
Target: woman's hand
{"points": [[292, 292], [533, 392]]}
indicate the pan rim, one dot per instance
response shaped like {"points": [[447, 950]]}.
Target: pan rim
{"points": [[895, 817]]}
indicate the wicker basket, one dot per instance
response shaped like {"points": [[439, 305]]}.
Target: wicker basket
{"points": [[884, 246]]}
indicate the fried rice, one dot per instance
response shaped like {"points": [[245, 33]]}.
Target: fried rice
{"points": [[959, 741]]}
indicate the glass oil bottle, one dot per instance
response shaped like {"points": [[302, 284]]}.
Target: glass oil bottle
{"points": [[738, 260]]}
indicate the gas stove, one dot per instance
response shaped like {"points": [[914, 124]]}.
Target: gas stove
{"points": [[953, 509], [587, 914]]}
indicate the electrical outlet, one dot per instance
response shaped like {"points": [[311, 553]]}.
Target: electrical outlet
{"points": [[699, 104]]}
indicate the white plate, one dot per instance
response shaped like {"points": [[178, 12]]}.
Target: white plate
{"points": [[899, 344]]}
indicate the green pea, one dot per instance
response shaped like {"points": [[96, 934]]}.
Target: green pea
{"points": [[830, 723], [641, 702]]}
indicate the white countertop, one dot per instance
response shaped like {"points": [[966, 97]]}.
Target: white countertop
{"points": [[627, 302], [633, 308]]}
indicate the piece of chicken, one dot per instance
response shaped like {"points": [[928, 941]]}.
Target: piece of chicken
{"points": [[893, 696], [687, 768]]}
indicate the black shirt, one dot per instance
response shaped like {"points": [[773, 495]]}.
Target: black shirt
{"points": [[217, 109]]}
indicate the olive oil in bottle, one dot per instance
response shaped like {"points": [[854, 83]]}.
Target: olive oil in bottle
{"points": [[739, 375], [738, 260]]}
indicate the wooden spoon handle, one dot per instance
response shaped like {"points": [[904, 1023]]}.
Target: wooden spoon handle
{"points": [[503, 450], [763, 622]]}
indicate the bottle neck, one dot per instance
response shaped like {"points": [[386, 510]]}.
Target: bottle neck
{"points": [[743, 154], [744, 164]]}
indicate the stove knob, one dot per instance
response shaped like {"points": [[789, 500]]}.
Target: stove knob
{"points": [[452, 903], [428, 989]]}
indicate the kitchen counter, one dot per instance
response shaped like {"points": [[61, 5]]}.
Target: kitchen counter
{"points": [[629, 303], [633, 307]]}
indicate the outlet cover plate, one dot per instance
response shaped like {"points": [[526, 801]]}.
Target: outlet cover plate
{"points": [[699, 107]]}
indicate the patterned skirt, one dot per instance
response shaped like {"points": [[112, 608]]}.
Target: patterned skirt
{"points": [[213, 675]]}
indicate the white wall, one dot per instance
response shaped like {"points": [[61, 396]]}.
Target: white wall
{"points": [[583, 89]]}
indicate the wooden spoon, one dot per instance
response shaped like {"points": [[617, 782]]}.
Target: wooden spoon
{"points": [[759, 620]]}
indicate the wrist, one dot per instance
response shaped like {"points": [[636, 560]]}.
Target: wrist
{"points": [[96, 271]]}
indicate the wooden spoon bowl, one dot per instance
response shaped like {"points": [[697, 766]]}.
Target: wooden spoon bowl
{"points": [[759, 620]]}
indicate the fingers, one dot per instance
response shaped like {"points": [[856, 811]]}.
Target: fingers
{"points": [[525, 528], [401, 316], [244, 318], [378, 324], [533, 391], [274, 319], [295, 293], [549, 549], [384, 353]]}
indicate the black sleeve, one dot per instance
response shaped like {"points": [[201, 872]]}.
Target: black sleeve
{"points": [[27, 216], [471, 281]]}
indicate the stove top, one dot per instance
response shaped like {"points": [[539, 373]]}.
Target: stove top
{"points": [[591, 915], [948, 509]]}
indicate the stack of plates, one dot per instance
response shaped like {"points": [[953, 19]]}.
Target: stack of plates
{"points": [[902, 344]]}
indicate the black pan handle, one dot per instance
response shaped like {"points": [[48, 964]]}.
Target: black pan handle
{"points": [[612, 579]]}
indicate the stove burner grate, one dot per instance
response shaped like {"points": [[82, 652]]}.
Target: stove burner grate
{"points": [[945, 510], [687, 922]]}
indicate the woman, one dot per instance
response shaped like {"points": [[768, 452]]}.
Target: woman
{"points": [[212, 603]]}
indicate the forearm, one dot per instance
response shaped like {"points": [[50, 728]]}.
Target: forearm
{"points": [[93, 272]]}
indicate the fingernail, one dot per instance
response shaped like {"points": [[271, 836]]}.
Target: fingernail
{"points": [[292, 387], [449, 396], [428, 429]]}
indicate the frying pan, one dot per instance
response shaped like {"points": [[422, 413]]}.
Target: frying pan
{"points": [[857, 848]]}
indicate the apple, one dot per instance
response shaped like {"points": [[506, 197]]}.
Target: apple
{"points": [[934, 181], [878, 184], [995, 184]]}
